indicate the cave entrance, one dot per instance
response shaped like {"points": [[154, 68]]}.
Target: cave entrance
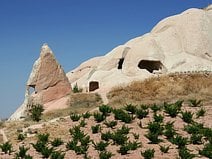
{"points": [[121, 61], [93, 85], [150, 65]]}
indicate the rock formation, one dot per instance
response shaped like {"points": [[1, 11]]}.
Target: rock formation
{"points": [[180, 43], [176, 44], [47, 79]]}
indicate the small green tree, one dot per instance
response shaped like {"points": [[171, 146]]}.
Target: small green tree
{"points": [[36, 112], [100, 146], [22, 152], [6, 147], [195, 102], [76, 89], [148, 154]]}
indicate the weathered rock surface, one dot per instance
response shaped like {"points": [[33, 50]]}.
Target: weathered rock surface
{"points": [[180, 43], [48, 77], [176, 44], [48, 80]]}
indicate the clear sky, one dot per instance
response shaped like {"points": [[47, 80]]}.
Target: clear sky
{"points": [[76, 30]]}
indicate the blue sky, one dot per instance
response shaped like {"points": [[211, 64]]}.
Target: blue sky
{"points": [[76, 30]]}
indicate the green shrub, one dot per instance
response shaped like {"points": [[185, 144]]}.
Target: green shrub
{"points": [[105, 109], [155, 108], [46, 151], [123, 130], [119, 138], [21, 137], [122, 115], [75, 117], [195, 102], [180, 141], [105, 155], [123, 150], [106, 136], [148, 154], [43, 138], [100, 146], [164, 149], [200, 112], [153, 137], [85, 141], [80, 141], [144, 107], [130, 108], [86, 115], [6, 147], [207, 132], [36, 112], [82, 123], [133, 145], [38, 146], [158, 118], [71, 145], [185, 154], [81, 150], [187, 116], [76, 133], [95, 129], [99, 117], [110, 124], [207, 150], [57, 142], [196, 139], [173, 109], [194, 128], [76, 89], [155, 127], [179, 103], [57, 155], [169, 131], [141, 113], [22, 152]]}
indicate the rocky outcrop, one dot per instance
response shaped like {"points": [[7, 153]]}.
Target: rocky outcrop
{"points": [[47, 82], [178, 43], [48, 78]]}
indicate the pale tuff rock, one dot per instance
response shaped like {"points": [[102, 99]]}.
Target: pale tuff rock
{"points": [[47, 79], [176, 44]]}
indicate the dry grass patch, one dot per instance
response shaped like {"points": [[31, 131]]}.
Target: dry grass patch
{"points": [[84, 101], [163, 88], [1, 138]]}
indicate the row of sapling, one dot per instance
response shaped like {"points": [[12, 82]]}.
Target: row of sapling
{"points": [[81, 141], [42, 147]]}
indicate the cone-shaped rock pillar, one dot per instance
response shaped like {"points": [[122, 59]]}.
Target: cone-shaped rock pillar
{"points": [[48, 81]]}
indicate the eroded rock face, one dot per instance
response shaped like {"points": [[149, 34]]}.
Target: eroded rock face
{"points": [[180, 43], [48, 80], [48, 77]]}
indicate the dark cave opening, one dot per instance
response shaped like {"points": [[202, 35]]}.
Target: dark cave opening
{"points": [[121, 61], [93, 85], [150, 65]]}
